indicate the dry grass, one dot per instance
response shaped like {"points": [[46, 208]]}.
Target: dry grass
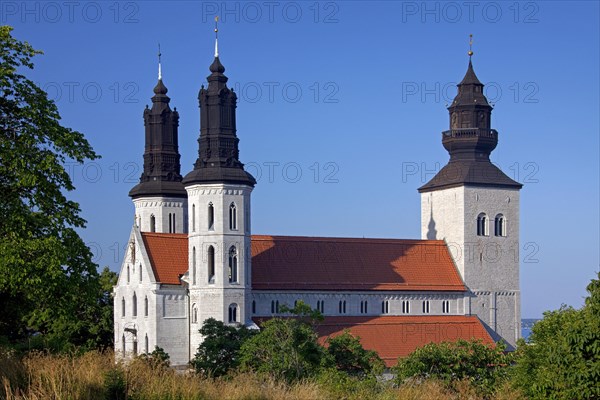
{"points": [[42, 376]]}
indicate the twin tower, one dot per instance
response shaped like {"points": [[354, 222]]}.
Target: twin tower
{"points": [[211, 204], [470, 204]]}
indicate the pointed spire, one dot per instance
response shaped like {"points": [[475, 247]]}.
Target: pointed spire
{"points": [[159, 69], [217, 36]]}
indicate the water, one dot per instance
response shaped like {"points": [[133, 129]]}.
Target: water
{"points": [[526, 325]]}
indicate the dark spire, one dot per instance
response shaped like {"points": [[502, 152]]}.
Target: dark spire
{"points": [[470, 140], [161, 175], [218, 154]]}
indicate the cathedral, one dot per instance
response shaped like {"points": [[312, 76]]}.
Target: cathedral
{"points": [[192, 255]]}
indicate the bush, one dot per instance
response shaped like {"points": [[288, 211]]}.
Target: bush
{"points": [[562, 360], [484, 367], [218, 352], [349, 356]]}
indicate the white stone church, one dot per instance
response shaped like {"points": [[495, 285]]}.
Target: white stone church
{"points": [[192, 256]]}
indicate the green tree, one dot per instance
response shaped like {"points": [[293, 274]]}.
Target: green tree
{"points": [[47, 277], [158, 359], [350, 356], [219, 351], [286, 348], [484, 366], [562, 358]]}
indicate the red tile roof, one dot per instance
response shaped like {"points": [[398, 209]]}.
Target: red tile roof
{"points": [[313, 263], [317, 263], [168, 254], [398, 336]]}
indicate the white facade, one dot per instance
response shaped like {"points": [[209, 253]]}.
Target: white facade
{"points": [[487, 256]]}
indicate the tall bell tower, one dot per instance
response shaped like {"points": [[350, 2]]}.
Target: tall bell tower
{"points": [[160, 199], [474, 207], [218, 213]]}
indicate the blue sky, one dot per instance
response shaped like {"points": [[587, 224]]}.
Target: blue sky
{"points": [[340, 112]]}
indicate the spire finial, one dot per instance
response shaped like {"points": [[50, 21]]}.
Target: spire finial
{"points": [[159, 69], [470, 45], [217, 36]]}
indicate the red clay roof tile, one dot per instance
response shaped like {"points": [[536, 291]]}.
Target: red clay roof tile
{"points": [[168, 254], [324, 264], [317, 263], [398, 336]]}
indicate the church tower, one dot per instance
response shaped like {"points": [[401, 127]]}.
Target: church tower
{"points": [[474, 207], [160, 198], [218, 213]]}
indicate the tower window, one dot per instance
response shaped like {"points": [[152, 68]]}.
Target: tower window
{"points": [[152, 223], [134, 305], [233, 313], [482, 225], [140, 272], [425, 306], [123, 306], [123, 348], [135, 351], [500, 225], [405, 307], [272, 306], [211, 217], [233, 265], [253, 306], [211, 264], [445, 306], [232, 217], [171, 222], [342, 307], [193, 265], [128, 274], [194, 314], [193, 218], [146, 306], [146, 344]]}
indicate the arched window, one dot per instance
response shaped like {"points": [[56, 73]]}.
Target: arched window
{"points": [[482, 225], [123, 306], [272, 306], [385, 307], [233, 265], [146, 344], [211, 217], [135, 351], [134, 305], [171, 222], [140, 272], [123, 348], [128, 274], [253, 307], [232, 217], [211, 264], [342, 307], [445, 306], [146, 306], [405, 307], [193, 218], [425, 306], [233, 313], [277, 307], [193, 265], [500, 225], [321, 306], [152, 223], [364, 307], [194, 314]]}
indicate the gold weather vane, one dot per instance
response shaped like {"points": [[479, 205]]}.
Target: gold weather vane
{"points": [[159, 69], [470, 45], [217, 36]]}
